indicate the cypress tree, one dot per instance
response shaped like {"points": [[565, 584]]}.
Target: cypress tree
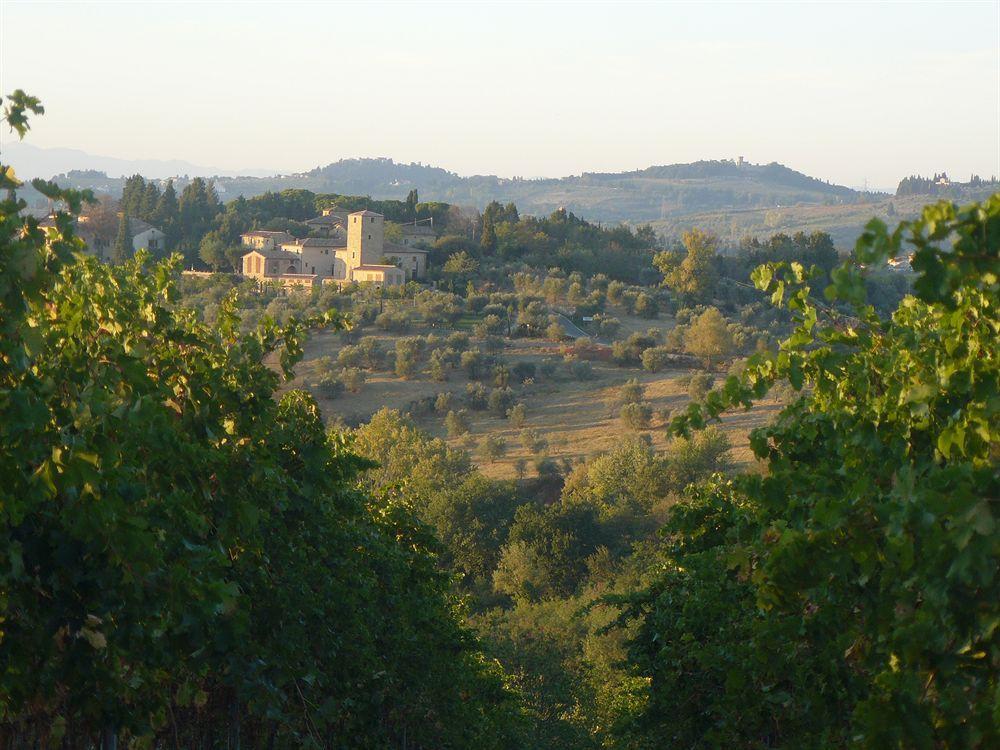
{"points": [[132, 195], [489, 239], [122, 249], [150, 201], [167, 218]]}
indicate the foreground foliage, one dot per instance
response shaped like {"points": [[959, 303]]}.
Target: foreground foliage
{"points": [[185, 557], [851, 595]]}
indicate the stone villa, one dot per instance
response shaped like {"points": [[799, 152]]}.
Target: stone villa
{"points": [[359, 257], [262, 240]]}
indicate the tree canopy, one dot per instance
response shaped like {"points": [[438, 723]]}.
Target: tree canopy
{"points": [[850, 595], [185, 554]]}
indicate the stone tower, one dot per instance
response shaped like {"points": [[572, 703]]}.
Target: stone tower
{"points": [[365, 238]]}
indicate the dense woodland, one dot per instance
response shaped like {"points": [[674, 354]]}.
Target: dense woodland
{"points": [[940, 185], [193, 558]]}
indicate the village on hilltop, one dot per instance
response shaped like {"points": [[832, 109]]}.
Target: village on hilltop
{"points": [[351, 249], [343, 248]]}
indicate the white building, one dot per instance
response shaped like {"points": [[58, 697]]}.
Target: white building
{"points": [[359, 258]]}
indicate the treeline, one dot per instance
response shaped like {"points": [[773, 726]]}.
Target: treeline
{"points": [[184, 220], [207, 232], [562, 240], [409, 210], [939, 184]]}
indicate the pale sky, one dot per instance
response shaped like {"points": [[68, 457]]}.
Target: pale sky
{"points": [[846, 92]]}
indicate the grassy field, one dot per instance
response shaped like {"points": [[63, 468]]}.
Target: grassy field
{"points": [[843, 222], [577, 419]]}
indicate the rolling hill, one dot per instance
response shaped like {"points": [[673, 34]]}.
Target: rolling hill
{"points": [[731, 198]]}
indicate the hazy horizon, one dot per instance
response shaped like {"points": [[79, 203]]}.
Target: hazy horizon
{"points": [[845, 93]]}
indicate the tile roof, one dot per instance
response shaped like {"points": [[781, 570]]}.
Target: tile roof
{"points": [[273, 254], [334, 242], [392, 247], [138, 226], [266, 233]]}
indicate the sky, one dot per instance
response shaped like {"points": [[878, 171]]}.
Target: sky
{"points": [[851, 92]]}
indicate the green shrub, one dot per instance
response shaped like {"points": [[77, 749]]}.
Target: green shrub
{"points": [[501, 400], [546, 468], [631, 392], [493, 447], [548, 369], [457, 423], [518, 415], [330, 386], [532, 441], [522, 371], [443, 402], [437, 365], [636, 416], [476, 396], [353, 379], [699, 385], [408, 356], [656, 358], [457, 341], [582, 370], [473, 363], [491, 325], [395, 321]]}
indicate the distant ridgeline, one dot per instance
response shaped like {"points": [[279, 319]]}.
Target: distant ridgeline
{"points": [[731, 197], [644, 195], [939, 185]]}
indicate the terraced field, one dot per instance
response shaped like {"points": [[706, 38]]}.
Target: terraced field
{"points": [[575, 418]]}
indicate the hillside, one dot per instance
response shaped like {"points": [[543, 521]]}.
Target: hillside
{"points": [[732, 199], [643, 195], [651, 194]]}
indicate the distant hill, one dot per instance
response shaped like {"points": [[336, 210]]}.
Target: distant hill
{"points": [[655, 193], [643, 195], [729, 197], [32, 161]]}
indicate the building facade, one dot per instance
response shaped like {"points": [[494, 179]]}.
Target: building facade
{"points": [[360, 257], [146, 236], [260, 239], [417, 234]]}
